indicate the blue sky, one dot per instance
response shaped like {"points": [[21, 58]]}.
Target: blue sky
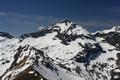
{"points": [[20, 16]]}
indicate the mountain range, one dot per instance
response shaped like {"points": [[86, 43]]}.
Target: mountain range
{"points": [[62, 51]]}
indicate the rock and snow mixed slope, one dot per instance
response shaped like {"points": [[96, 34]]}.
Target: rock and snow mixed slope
{"points": [[62, 51]]}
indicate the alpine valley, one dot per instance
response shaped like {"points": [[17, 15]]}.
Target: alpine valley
{"points": [[62, 51]]}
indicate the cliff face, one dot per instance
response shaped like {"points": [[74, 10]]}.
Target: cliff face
{"points": [[62, 51]]}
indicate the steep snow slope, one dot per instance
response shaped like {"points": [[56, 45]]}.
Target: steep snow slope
{"points": [[7, 51], [107, 65], [62, 51]]}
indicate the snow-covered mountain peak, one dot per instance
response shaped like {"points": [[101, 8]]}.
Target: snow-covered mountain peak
{"points": [[63, 26], [116, 28], [65, 22], [4, 34], [69, 27], [113, 29]]}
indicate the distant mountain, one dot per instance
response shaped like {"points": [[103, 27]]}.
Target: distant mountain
{"points": [[62, 51]]}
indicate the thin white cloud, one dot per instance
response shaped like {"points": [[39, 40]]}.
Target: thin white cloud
{"points": [[2, 13], [40, 28]]}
